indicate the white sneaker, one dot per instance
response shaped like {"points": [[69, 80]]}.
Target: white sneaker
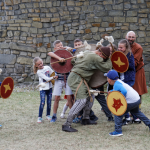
{"points": [[39, 120], [62, 116], [48, 117]]}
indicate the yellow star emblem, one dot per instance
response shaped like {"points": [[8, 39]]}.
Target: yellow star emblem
{"points": [[7, 87], [119, 62]]}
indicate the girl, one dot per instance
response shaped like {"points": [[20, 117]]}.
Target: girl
{"points": [[128, 76], [44, 73]]}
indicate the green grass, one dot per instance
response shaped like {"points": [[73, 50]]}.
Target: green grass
{"points": [[18, 116]]}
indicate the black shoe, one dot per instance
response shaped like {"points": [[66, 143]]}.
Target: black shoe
{"points": [[126, 122], [68, 129], [110, 119], [93, 118], [88, 122]]}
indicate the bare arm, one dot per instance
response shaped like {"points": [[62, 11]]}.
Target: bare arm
{"points": [[56, 56]]}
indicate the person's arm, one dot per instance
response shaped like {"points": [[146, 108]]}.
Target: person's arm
{"points": [[138, 56], [119, 87], [43, 76], [131, 62], [101, 65], [56, 56]]}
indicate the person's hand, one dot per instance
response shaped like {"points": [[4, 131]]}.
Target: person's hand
{"points": [[61, 59], [109, 92], [55, 77]]}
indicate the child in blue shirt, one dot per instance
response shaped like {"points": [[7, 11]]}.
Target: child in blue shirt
{"points": [[132, 98]]}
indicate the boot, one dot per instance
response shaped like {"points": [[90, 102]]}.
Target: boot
{"points": [[88, 122], [67, 128], [110, 119]]}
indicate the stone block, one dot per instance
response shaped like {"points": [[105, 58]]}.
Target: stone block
{"points": [[7, 59], [9, 70], [133, 27], [87, 31], [79, 3], [4, 45], [115, 13], [56, 3], [33, 15], [55, 19], [140, 1], [144, 11], [104, 24], [142, 15], [61, 37], [109, 29], [53, 10], [8, 2], [59, 28], [141, 34], [48, 4], [131, 13], [70, 3], [14, 46], [107, 2], [102, 14], [118, 7], [94, 29], [101, 29], [25, 29], [96, 37], [42, 4], [112, 24], [37, 24], [36, 54], [16, 33], [4, 33], [148, 4], [70, 37], [143, 20], [9, 34], [140, 40], [12, 28], [23, 53], [87, 37], [45, 19], [116, 34], [41, 49], [43, 55], [41, 31], [19, 21], [131, 19], [46, 40], [124, 28], [24, 60], [147, 39]]}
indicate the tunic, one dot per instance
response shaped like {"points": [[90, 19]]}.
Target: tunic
{"points": [[86, 67], [140, 81]]}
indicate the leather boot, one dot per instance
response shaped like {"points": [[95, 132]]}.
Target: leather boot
{"points": [[88, 122], [67, 128]]}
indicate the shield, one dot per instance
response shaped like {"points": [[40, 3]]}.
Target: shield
{"points": [[116, 103], [6, 87], [53, 81], [119, 61], [98, 79], [62, 67]]}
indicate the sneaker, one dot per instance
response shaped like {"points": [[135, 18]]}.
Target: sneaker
{"points": [[138, 121], [88, 122], [68, 129], [48, 117], [0, 126], [77, 120], [53, 119], [116, 133], [39, 120], [62, 116]]}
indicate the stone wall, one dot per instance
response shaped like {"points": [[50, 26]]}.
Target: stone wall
{"points": [[29, 27]]}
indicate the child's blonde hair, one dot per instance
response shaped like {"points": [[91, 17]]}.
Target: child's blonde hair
{"points": [[34, 63], [127, 45]]}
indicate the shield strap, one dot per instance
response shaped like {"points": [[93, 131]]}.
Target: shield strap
{"points": [[82, 80]]}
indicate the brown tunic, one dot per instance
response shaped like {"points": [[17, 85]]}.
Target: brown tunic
{"points": [[140, 81]]}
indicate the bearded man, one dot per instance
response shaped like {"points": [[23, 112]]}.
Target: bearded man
{"points": [[137, 50]]}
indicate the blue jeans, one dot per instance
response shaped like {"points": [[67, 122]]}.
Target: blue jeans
{"points": [[131, 83], [42, 103], [133, 108]]}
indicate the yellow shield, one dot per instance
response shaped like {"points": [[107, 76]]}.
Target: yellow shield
{"points": [[116, 103]]}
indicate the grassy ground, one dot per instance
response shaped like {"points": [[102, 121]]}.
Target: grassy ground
{"points": [[18, 116]]}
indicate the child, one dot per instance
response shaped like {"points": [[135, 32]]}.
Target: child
{"points": [[132, 98], [77, 43], [60, 83], [43, 73], [128, 76]]}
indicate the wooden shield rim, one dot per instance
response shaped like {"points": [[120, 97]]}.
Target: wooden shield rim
{"points": [[125, 102], [12, 87], [71, 55], [52, 81], [125, 57]]}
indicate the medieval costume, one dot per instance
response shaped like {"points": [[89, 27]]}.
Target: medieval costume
{"points": [[140, 81], [79, 77]]}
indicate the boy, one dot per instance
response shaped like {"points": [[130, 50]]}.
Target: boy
{"points": [[60, 83], [132, 98]]}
